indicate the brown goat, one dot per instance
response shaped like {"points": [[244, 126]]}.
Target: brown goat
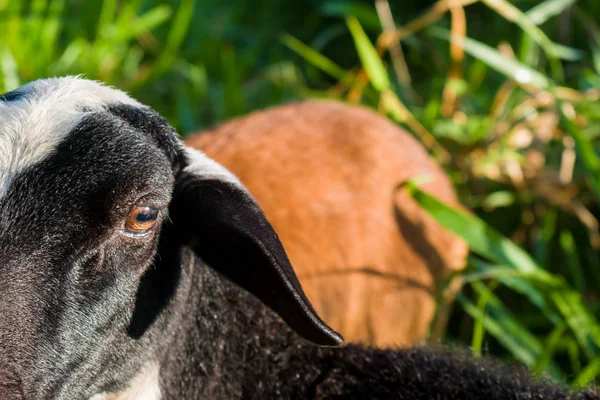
{"points": [[326, 175]]}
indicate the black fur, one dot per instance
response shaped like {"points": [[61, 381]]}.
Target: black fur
{"points": [[84, 307], [231, 347]]}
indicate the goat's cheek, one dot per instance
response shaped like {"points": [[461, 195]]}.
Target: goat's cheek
{"points": [[136, 258], [96, 262]]}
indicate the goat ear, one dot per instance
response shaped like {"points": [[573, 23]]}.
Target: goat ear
{"points": [[228, 230]]}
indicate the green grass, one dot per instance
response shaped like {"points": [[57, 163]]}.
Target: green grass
{"points": [[511, 110]]}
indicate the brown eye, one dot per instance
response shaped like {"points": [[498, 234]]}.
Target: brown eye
{"points": [[141, 219]]}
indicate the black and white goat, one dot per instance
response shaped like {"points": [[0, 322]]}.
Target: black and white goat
{"points": [[132, 267]]}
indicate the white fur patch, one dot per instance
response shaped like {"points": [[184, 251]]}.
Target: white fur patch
{"points": [[145, 386], [32, 125], [208, 169]]}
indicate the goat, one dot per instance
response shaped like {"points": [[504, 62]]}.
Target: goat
{"points": [[325, 175], [133, 267]]}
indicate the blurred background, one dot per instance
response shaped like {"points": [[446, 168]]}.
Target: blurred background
{"points": [[504, 94]]}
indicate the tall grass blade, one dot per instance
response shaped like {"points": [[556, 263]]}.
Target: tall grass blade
{"points": [[478, 327], [495, 60], [506, 328], [548, 9], [569, 248], [144, 23], [316, 59], [513, 14], [107, 14], [368, 56], [10, 73], [549, 349], [587, 153], [179, 28], [587, 375], [481, 238], [529, 284]]}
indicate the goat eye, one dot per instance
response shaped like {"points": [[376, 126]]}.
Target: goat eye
{"points": [[141, 219]]}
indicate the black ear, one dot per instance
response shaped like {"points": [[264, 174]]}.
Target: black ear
{"points": [[230, 233]]}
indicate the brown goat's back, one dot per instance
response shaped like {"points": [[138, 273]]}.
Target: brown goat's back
{"points": [[369, 259]]}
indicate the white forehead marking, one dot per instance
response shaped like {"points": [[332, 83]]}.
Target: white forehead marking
{"points": [[32, 125]]}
